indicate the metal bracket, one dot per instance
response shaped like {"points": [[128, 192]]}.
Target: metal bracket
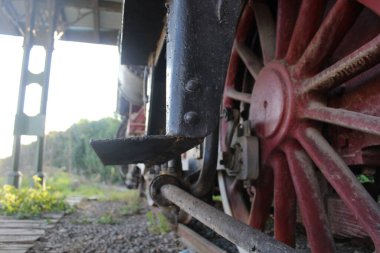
{"points": [[154, 149], [200, 37], [243, 159], [249, 158]]}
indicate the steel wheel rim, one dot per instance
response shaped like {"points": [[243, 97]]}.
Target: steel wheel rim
{"points": [[291, 141]]}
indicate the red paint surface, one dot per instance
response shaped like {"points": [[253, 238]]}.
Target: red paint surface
{"points": [[295, 97], [285, 202]]}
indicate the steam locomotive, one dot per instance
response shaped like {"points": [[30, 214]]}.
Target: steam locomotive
{"points": [[272, 104]]}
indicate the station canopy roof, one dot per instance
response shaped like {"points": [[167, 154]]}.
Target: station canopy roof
{"points": [[91, 21]]}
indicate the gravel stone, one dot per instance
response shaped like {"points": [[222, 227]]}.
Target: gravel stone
{"points": [[80, 232]]}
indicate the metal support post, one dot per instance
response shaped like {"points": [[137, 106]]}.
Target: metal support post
{"points": [[40, 27]]}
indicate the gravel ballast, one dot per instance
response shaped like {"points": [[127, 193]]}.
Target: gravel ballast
{"points": [[88, 229], [97, 226]]}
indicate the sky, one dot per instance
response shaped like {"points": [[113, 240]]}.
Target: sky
{"points": [[83, 85]]}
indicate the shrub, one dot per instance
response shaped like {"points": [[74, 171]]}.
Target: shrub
{"points": [[29, 202]]}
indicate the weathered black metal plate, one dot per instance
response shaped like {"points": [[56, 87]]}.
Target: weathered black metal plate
{"points": [[200, 38], [154, 149], [143, 21]]}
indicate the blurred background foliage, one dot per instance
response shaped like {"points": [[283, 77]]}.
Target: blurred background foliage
{"points": [[71, 153]]}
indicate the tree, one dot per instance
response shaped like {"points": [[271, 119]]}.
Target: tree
{"points": [[71, 150]]}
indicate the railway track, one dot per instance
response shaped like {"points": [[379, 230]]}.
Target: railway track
{"points": [[197, 242], [202, 239], [197, 233], [78, 228]]}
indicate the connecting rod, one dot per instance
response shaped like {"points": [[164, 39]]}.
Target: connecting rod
{"points": [[242, 235]]}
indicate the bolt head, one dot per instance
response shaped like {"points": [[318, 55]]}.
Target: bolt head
{"points": [[191, 118], [192, 85]]}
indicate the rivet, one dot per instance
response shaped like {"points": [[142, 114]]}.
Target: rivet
{"points": [[192, 85], [191, 118]]}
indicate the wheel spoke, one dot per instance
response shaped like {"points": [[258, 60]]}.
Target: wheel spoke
{"points": [[360, 60], [286, 19], [371, 4], [266, 28], [309, 198], [240, 96], [285, 202], [244, 27], [339, 19], [308, 20], [337, 173], [261, 205], [348, 119], [234, 190], [251, 61]]}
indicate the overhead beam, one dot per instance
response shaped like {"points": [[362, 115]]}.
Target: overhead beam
{"points": [[111, 6], [10, 12], [105, 37]]}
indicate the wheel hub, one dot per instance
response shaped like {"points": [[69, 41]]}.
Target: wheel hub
{"points": [[314, 73], [270, 100]]}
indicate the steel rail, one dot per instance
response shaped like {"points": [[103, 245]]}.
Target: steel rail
{"points": [[195, 241], [236, 232]]}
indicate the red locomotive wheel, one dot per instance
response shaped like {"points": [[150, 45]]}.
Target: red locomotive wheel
{"points": [[306, 76]]}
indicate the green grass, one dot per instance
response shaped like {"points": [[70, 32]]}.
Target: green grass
{"points": [[217, 198], [157, 223], [65, 185], [119, 194], [83, 221], [30, 201], [60, 182], [130, 209], [107, 219]]}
